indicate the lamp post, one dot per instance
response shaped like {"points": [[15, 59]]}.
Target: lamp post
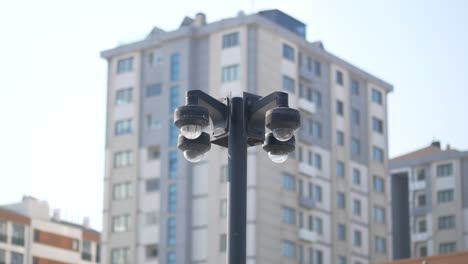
{"points": [[237, 123]]}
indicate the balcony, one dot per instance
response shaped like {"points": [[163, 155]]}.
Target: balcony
{"points": [[306, 202], [418, 185], [305, 73], [307, 235], [307, 169], [307, 105]]}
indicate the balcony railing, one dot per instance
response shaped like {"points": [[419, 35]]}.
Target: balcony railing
{"points": [[307, 235], [307, 105], [307, 169], [306, 202]]}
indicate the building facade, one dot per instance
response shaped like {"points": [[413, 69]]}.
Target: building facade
{"points": [[430, 202], [326, 204], [28, 235]]}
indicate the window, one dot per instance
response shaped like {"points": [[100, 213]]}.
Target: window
{"points": [[339, 77], [446, 222], [354, 87], [171, 258], [122, 191], [379, 184], [315, 129], [230, 73], [421, 200], [98, 253], [124, 96], [340, 138], [318, 161], [449, 247], [377, 125], [289, 182], [423, 251], [355, 146], [357, 207], [316, 98], [153, 153], [288, 249], [379, 246], [309, 64], [355, 116], [123, 127], [120, 223], [171, 231], [151, 251], [2, 256], [123, 159], [318, 225], [223, 208], [151, 218], [172, 165], [339, 107], [288, 84], [125, 65], [152, 185], [230, 40], [175, 67], [340, 200], [16, 258], [378, 154], [444, 170], [288, 215], [422, 226], [173, 134], [357, 238], [379, 215], [445, 196], [317, 68], [288, 52], [376, 96], [120, 256], [3, 231], [172, 201], [356, 176], [341, 260], [153, 90], [151, 122], [300, 254], [174, 97], [222, 243], [340, 169], [86, 250], [317, 193], [17, 237], [224, 174], [421, 175], [341, 231], [300, 158], [316, 256], [310, 159]]}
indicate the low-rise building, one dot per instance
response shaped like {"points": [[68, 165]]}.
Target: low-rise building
{"points": [[29, 235], [429, 202]]}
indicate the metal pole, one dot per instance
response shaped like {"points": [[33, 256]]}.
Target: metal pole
{"points": [[237, 161]]}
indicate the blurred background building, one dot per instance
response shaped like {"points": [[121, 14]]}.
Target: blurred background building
{"points": [[430, 201], [28, 234], [327, 204]]}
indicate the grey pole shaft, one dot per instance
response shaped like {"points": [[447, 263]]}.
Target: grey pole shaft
{"points": [[237, 152]]}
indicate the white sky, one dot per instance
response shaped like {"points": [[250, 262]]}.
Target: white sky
{"points": [[53, 81]]}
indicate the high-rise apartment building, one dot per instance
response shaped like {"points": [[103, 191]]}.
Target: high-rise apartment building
{"points": [[326, 204], [28, 235], [430, 202]]}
